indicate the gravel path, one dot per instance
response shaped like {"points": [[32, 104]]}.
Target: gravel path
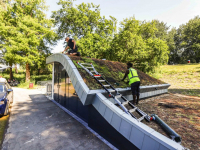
{"points": [[38, 124]]}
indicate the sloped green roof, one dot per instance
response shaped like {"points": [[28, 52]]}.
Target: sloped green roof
{"points": [[112, 71]]}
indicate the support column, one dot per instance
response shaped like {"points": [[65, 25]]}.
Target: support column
{"points": [[52, 91]]}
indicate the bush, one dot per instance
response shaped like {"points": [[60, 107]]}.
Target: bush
{"points": [[21, 78], [37, 78]]}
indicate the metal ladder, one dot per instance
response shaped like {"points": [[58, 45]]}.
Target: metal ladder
{"points": [[89, 68]]}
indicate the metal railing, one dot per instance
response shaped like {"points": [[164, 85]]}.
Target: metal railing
{"points": [[49, 89]]}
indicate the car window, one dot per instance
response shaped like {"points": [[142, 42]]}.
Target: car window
{"points": [[2, 88]]}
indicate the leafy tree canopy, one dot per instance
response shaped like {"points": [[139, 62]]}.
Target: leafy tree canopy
{"points": [[137, 42], [188, 39], [85, 24], [81, 20], [26, 33]]}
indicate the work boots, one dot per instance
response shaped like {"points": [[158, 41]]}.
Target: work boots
{"points": [[134, 99], [137, 99]]}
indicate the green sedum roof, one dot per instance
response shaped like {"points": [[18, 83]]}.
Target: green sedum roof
{"points": [[112, 71]]}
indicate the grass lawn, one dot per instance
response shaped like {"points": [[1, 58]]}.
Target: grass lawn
{"points": [[184, 79], [3, 123]]}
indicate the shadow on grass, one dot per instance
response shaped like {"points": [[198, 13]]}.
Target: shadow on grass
{"points": [[190, 92], [171, 105]]}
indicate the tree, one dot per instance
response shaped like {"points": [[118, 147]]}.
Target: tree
{"points": [[81, 20], [3, 4], [136, 42], [26, 33], [85, 24], [173, 56], [162, 30], [167, 35], [188, 38]]}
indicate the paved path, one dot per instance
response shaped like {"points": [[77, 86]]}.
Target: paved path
{"points": [[36, 123]]}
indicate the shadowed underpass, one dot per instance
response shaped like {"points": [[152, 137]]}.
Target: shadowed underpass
{"points": [[37, 123]]}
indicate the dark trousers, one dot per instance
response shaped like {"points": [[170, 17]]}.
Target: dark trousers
{"points": [[135, 88]]}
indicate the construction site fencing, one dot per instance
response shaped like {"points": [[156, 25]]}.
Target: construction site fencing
{"points": [[45, 87]]}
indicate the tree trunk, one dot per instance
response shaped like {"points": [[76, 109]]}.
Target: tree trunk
{"points": [[38, 71], [11, 73], [27, 72], [16, 71]]}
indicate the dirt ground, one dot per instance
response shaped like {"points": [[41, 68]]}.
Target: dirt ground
{"points": [[112, 71], [180, 112]]}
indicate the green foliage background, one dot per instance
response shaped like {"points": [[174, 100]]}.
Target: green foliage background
{"points": [[26, 36], [136, 41]]}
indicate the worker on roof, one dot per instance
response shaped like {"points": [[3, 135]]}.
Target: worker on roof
{"points": [[134, 81], [71, 44]]}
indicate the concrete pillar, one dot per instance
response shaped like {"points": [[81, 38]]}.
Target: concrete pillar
{"points": [[52, 91]]}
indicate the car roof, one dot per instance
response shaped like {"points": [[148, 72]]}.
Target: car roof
{"points": [[3, 80]]}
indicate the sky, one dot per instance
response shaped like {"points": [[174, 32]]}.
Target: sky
{"points": [[172, 12]]}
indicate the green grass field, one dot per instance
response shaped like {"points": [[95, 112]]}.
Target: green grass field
{"points": [[184, 79]]}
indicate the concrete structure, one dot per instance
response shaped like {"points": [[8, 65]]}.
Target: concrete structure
{"points": [[101, 113]]}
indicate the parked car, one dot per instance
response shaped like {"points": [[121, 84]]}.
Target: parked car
{"points": [[6, 96]]}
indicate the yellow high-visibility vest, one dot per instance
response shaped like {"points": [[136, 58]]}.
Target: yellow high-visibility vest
{"points": [[133, 76]]}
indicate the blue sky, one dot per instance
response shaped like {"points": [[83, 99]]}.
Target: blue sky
{"points": [[172, 12]]}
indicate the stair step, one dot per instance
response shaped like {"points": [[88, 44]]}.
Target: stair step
{"points": [[97, 76], [112, 91], [132, 110], [102, 80], [141, 118], [118, 96], [85, 64], [106, 85], [125, 103], [89, 67]]}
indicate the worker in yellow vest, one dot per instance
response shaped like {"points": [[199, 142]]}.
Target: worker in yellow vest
{"points": [[134, 81]]}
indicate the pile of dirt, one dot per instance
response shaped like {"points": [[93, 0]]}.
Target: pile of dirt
{"points": [[112, 71]]}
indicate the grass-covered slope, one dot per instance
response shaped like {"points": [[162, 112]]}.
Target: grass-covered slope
{"points": [[112, 71]]}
